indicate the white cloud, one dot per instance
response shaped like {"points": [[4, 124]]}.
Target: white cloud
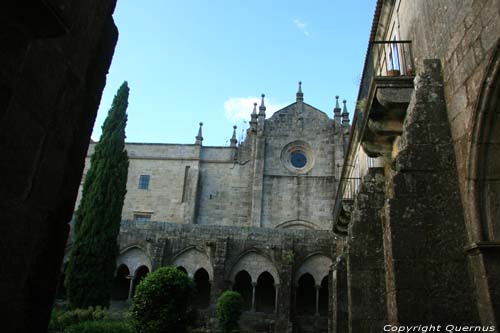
{"points": [[302, 26], [240, 108]]}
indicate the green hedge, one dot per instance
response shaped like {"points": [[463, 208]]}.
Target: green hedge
{"points": [[101, 326], [62, 319]]}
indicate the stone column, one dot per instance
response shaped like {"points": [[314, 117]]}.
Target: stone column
{"points": [[130, 288], [365, 269], [218, 256], [317, 299], [254, 284], [340, 315], [424, 208], [276, 293]]}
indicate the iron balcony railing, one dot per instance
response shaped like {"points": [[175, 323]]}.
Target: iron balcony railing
{"points": [[351, 188], [383, 59], [392, 58]]}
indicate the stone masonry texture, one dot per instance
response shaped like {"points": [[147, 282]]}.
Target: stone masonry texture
{"points": [[424, 209], [54, 59]]}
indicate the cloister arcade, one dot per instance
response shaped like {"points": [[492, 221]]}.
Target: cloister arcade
{"points": [[311, 283], [256, 278], [133, 265], [253, 274]]}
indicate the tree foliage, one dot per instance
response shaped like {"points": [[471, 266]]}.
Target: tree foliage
{"points": [[97, 221], [229, 308], [162, 302]]}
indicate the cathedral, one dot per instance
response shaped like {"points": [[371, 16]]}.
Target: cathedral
{"points": [[255, 216]]}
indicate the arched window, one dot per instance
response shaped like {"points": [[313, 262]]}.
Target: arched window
{"points": [[121, 284], [305, 303], [265, 293], [323, 297], [202, 293], [243, 285]]}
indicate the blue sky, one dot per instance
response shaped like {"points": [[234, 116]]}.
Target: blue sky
{"points": [[188, 61]]}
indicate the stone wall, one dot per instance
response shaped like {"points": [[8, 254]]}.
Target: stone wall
{"points": [[54, 59], [224, 193], [423, 208], [225, 250], [463, 34]]}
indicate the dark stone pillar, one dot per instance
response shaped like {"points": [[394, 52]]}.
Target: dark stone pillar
{"points": [[53, 65], [284, 299], [365, 257], [340, 299], [218, 254], [424, 232]]}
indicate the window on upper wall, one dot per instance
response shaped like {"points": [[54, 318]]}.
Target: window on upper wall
{"points": [[142, 217], [144, 182]]}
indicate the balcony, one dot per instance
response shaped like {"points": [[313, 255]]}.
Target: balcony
{"points": [[347, 190], [385, 93]]}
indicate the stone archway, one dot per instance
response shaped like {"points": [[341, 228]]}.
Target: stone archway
{"points": [[298, 224], [484, 161], [121, 284], [260, 269], [305, 300], [265, 293], [139, 275], [192, 259], [138, 264], [134, 257], [202, 289], [483, 195], [255, 264], [243, 285], [311, 281]]}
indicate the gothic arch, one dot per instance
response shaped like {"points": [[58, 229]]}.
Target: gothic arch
{"points": [[133, 257], [305, 294], [298, 224], [201, 297], [265, 293], [317, 264], [483, 184], [242, 283], [121, 283], [255, 264], [192, 259]]}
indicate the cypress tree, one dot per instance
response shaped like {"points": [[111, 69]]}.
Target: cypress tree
{"points": [[97, 220]]}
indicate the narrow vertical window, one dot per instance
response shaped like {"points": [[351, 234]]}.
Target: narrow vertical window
{"points": [[144, 182], [184, 187]]}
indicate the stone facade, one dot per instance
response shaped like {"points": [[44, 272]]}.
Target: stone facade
{"points": [[427, 114], [254, 217]]}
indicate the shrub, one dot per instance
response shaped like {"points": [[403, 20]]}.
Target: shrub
{"points": [[100, 326], [162, 300], [229, 307], [61, 319]]}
